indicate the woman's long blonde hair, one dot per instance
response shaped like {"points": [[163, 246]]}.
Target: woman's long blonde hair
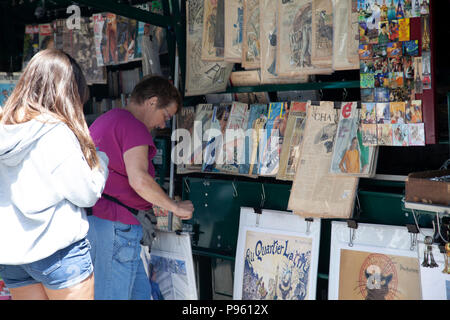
{"points": [[52, 84]]}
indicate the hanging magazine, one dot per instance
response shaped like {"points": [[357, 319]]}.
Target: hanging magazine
{"points": [[316, 192], [214, 144], [234, 138], [273, 139], [234, 19], [210, 21], [185, 121], [126, 37], [350, 156], [256, 122], [251, 49], [290, 152], [202, 122], [105, 34], [322, 33], [201, 76], [31, 43]]}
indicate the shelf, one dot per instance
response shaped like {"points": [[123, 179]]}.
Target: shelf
{"points": [[427, 207]]}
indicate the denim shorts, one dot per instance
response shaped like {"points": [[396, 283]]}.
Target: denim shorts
{"points": [[63, 269]]}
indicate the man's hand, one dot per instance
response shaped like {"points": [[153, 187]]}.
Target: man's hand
{"points": [[184, 210]]}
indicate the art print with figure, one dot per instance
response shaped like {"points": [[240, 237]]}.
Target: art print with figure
{"points": [[276, 267], [234, 22], [322, 33], [251, 46], [210, 24], [376, 276]]}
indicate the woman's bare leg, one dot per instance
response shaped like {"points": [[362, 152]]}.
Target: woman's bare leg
{"points": [[81, 291], [32, 292]]}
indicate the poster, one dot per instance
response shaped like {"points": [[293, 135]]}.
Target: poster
{"points": [[201, 76], [315, 192], [276, 256], [379, 265], [210, 24], [170, 267]]}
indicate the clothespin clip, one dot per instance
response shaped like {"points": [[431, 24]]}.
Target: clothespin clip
{"points": [[258, 212], [413, 232], [337, 104], [352, 225], [308, 224], [315, 103]]}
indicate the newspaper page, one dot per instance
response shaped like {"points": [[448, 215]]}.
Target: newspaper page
{"points": [[234, 20], [201, 76], [315, 192]]}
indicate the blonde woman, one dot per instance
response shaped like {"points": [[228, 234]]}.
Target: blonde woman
{"points": [[49, 171]]}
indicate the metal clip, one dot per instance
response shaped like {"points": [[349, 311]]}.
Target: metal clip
{"points": [[308, 224], [413, 230], [352, 225], [263, 196], [186, 184]]}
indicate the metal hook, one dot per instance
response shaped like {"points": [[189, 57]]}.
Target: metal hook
{"points": [[235, 193], [344, 94], [263, 196], [186, 184], [439, 228], [352, 237], [413, 237], [308, 225]]}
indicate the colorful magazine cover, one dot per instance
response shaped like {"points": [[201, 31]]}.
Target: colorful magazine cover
{"points": [[350, 156], [215, 138], [290, 150], [273, 138], [30, 43], [185, 121], [108, 43], [256, 122], [234, 150], [126, 39]]}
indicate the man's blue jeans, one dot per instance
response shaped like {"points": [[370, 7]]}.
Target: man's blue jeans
{"points": [[118, 269]]}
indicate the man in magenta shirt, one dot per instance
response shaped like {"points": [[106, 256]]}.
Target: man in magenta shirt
{"points": [[114, 232]]}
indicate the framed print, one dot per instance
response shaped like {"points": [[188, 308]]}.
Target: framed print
{"points": [[379, 264], [276, 256]]}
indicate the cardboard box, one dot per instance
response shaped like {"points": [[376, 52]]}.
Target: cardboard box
{"points": [[419, 188]]}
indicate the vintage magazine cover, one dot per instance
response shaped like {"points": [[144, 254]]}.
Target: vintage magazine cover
{"points": [[276, 257], [322, 33], [350, 156], [202, 122], [185, 120], [99, 21], [209, 51], [30, 43], [345, 35], [219, 37], [233, 146], [201, 76], [215, 138], [251, 48], [45, 36], [234, 20], [141, 26], [83, 51], [108, 42], [315, 192], [126, 39], [378, 265], [272, 141], [170, 267], [290, 150], [268, 40], [256, 122]]}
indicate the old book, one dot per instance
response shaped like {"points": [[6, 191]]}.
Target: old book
{"points": [[234, 138], [290, 150], [209, 51], [315, 192], [234, 20], [350, 155], [185, 122], [322, 33], [294, 43], [272, 139], [201, 76], [257, 119], [245, 78], [202, 123], [30, 43], [251, 49], [268, 40]]}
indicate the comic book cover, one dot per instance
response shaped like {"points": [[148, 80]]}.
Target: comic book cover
{"points": [[315, 192], [251, 43], [45, 36], [255, 127], [416, 134], [350, 156], [185, 122], [400, 135], [290, 150], [322, 33], [202, 122], [99, 21], [234, 20], [209, 51], [403, 29], [201, 76], [273, 138], [384, 132], [397, 110], [31, 43], [234, 139], [213, 150]]}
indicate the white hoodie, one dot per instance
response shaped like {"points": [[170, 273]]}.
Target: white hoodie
{"points": [[45, 182]]}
